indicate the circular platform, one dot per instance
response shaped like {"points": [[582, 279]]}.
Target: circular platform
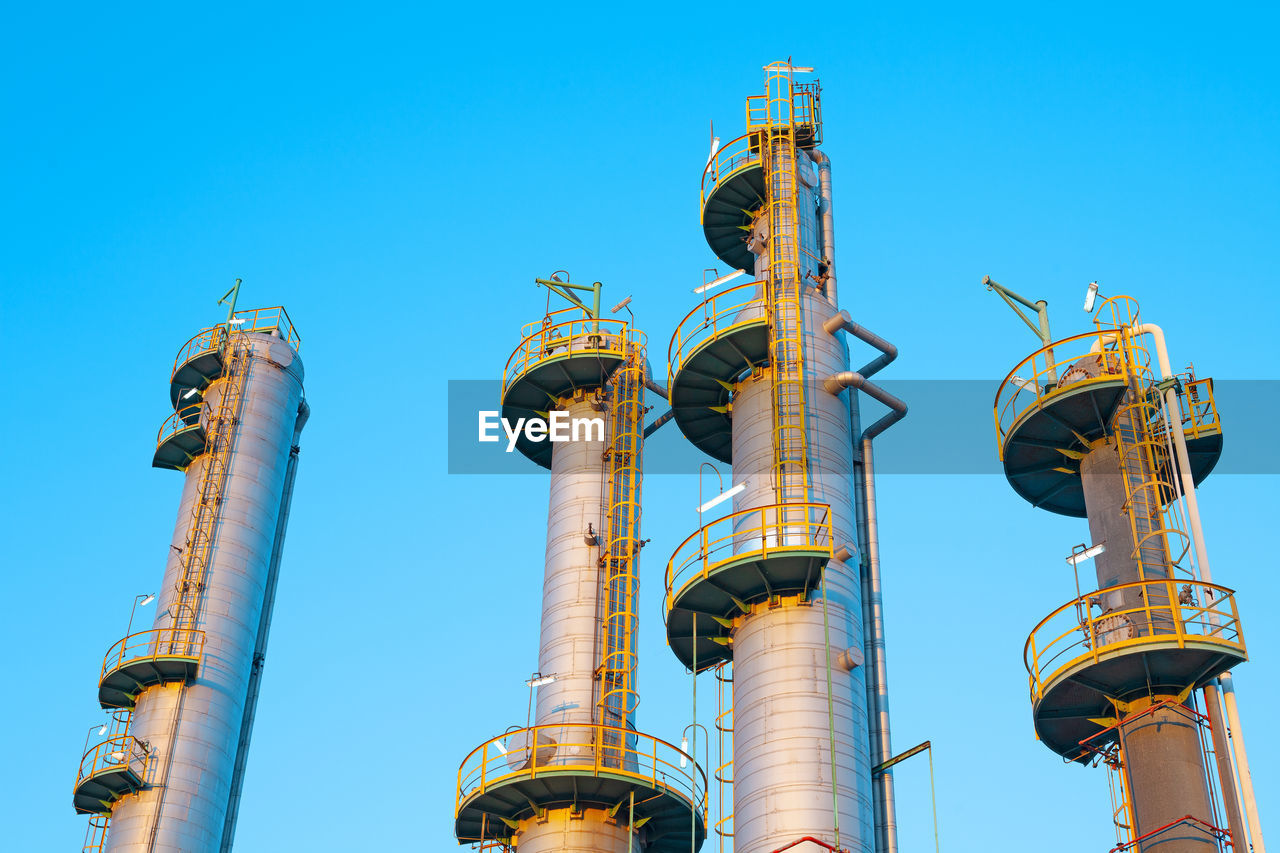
{"points": [[182, 438], [1185, 637], [1203, 453], [557, 361], [160, 656], [666, 793], [1063, 419], [712, 348], [736, 561], [108, 772], [199, 362], [731, 201]]}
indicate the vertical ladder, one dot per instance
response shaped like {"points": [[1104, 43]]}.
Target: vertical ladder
{"points": [[1121, 802], [724, 755], [1160, 542], [205, 511], [621, 538], [95, 837], [778, 149]]}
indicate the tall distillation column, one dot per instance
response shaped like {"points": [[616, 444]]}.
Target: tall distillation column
{"points": [[775, 588], [1087, 429], [181, 694], [581, 779]]}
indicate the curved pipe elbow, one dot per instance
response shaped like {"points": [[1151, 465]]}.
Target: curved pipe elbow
{"points": [[837, 382], [889, 352]]}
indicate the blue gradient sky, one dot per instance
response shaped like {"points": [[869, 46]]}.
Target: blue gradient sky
{"points": [[397, 177]]}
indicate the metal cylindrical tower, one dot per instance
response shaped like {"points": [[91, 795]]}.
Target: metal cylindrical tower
{"points": [[579, 776], [182, 693], [1094, 432], [775, 587]]}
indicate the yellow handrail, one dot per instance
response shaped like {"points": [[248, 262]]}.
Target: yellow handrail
{"points": [[1170, 609], [1051, 369], [583, 335], [586, 747], [712, 318], [118, 751], [205, 340], [263, 320], [152, 644], [729, 159], [1199, 409], [177, 422], [763, 530]]}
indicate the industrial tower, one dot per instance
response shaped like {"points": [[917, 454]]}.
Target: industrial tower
{"points": [[1134, 674], [781, 596], [167, 769], [578, 777]]}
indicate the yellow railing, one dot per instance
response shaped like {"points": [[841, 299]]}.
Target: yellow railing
{"points": [[760, 531], [177, 422], [205, 340], [117, 752], [1199, 409], [266, 321], [712, 318], [1068, 363], [1167, 609], [263, 320], [152, 644], [729, 159], [804, 108], [583, 748], [582, 335]]}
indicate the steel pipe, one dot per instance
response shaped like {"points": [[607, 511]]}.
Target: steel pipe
{"points": [[889, 352], [828, 222]]}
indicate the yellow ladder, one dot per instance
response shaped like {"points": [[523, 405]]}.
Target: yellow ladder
{"points": [[1121, 803], [205, 511], [1161, 544], [621, 538], [724, 755], [790, 444], [95, 837]]}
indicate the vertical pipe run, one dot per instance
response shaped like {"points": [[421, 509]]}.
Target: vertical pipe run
{"points": [[878, 676], [264, 631], [828, 223]]}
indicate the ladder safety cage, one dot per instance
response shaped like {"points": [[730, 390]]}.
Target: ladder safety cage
{"points": [[621, 538]]}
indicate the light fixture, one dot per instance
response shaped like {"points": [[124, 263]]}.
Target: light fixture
{"points": [[724, 496], [684, 751], [238, 321], [715, 146], [118, 755], [151, 596], [502, 749], [623, 304], [1025, 384], [539, 679], [721, 280], [1090, 296], [102, 731], [1087, 554], [191, 393]]}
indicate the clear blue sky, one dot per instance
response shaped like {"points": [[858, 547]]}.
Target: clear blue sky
{"points": [[398, 176]]}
